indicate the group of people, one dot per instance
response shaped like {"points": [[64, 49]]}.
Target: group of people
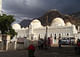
{"points": [[44, 43]]}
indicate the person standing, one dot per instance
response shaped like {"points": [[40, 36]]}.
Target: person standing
{"points": [[49, 42], [59, 41], [31, 50]]}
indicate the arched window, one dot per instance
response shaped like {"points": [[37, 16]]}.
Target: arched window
{"points": [[59, 36], [32, 36], [39, 36], [55, 36], [51, 35], [67, 34]]}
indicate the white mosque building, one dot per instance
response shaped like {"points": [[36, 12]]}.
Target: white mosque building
{"points": [[36, 30]]}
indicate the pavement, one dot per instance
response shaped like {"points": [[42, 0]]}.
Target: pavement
{"points": [[57, 52], [51, 52]]}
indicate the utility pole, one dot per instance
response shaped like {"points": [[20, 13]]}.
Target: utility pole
{"points": [[46, 35], [47, 27]]}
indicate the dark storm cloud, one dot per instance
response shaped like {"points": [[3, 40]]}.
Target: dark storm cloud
{"points": [[36, 8], [22, 7]]}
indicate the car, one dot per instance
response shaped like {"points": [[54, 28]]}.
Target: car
{"points": [[72, 41], [65, 41], [77, 47], [68, 41]]}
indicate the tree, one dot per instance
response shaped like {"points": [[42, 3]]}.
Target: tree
{"points": [[5, 24]]}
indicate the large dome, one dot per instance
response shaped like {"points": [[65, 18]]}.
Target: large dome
{"points": [[68, 24], [16, 26], [58, 22], [36, 23]]}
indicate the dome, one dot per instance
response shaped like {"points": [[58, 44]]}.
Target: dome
{"points": [[16, 26], [23, 28], [68, 24], [36, 23], [58, 22]]}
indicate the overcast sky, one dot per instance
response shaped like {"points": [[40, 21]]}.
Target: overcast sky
{"points": [[35, 8]]}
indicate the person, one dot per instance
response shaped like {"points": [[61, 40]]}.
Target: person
{"points": [[40, 43], [31, 50], [59, 43], [49, 42], [45, 44]]}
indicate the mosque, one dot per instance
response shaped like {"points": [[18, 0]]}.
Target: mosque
{"points": [[36, 30]]}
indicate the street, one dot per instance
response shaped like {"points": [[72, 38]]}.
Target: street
{"points": [[51, 52]]}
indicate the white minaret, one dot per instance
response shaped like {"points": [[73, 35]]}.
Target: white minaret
{"points": [[0, 7]]}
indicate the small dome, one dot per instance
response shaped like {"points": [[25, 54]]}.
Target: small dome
{"points": [[36, 23], [16, 26], [68, 24], [23, 28], [58, 22]]}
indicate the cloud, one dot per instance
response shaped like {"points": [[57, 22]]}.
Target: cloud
{"points": [[36, 8]]}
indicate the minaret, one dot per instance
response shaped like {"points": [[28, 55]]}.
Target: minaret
{"points": [[0, 7]]}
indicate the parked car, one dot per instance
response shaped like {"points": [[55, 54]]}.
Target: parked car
{"points": [[68, 41], [77, 47], [65, 41]]}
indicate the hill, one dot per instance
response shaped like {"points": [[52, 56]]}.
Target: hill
{"points": [[25, 23]]}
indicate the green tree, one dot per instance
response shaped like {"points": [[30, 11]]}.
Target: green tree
{"points": [[5, 24]]}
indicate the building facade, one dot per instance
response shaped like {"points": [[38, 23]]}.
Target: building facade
{"points": [[36, 30]]}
